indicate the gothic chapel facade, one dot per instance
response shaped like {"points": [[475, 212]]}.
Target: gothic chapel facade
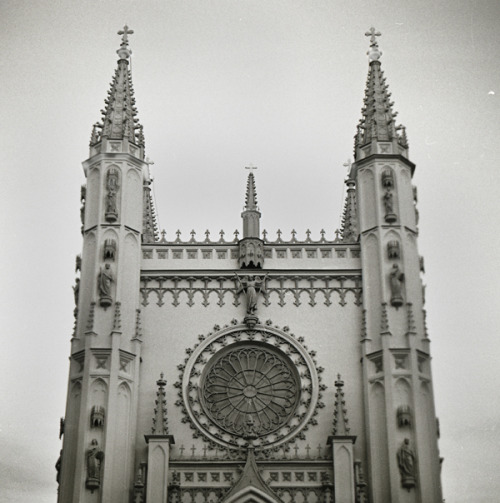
{"points": [[249, 370]]}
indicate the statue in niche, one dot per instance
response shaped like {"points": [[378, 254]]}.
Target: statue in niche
{"points": [[252, 286], [78, 263], [104, 281], [406, 464], [95, 457], [396, 278], [389, 207], [112, 185], [387, 179], [393, 249], [109, 249], [404, 416], [97, 416]]}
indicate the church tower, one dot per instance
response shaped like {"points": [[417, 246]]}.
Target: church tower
{"points": [[254, 369]]}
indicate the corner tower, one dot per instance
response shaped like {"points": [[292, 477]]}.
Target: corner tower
{"points": [[401, 431], [98, 452]]}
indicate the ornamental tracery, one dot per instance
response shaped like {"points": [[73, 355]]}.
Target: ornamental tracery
{"points": [[239, 385]]}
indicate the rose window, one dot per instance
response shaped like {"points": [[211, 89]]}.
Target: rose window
{"points": [[250, 390]]}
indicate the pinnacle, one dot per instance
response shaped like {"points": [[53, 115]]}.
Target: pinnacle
{"points": [[377, 123], [340, 421], [251, 194], [349, 226], [160, 422], [119, 116]]}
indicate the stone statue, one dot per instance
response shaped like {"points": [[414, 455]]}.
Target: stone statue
{"points": [[95, 457], [76, 290], [58, 467], [389, 207], [104, 282], [396, 277], [406, 463], [112, 184], [252, 286]]}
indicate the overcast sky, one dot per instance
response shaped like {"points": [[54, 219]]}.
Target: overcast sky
{"points": [[219, 85]]}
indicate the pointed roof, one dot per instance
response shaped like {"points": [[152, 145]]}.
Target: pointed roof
{"points": [[119, 116], [377, 123], [149, 222], [340, 421], [349, 228], [160, 422], [251, 194], [251, 485]]}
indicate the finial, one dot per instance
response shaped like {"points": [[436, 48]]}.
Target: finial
{"points": [[124, 52], [340, 420], [374, 52]]}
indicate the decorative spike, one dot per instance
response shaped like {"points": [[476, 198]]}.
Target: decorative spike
{"points": [[149, 224], [251, 193], [160, 422], [340, 421], [138, 325], [349, 227], [384, 321], [117, 320], [90, 321], [412, 329]]}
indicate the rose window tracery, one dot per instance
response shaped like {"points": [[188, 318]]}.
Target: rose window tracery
{"points": [[250, 390], [239, 385]]}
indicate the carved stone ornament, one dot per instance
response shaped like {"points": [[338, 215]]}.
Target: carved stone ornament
{"points": [[97, 416], [390, 216], [396, 278], [104, 282], [109, 249], [404, 416], [387, 179], [112, 186], [251, 253], [239, 386], [393, 250], [94, 456], [406, 464], [252, 286]]}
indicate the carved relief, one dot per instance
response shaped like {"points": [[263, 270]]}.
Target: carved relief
{"points": [[404, 416], [94, 456], [104, 282], [97, 416], [112, 186], [396, 279], [251, 253], [252, 286], [406, 464], [110, 249], [393, 251]]}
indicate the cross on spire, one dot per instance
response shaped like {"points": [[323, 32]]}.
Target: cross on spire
{"points": [[372, 33], [125, 33]]}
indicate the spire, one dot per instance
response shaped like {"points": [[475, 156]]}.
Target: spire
{"points": [[251, 195], [160, 422], [349, 228], [149, 223], [377, 123], [340, 421], [119, 119]]}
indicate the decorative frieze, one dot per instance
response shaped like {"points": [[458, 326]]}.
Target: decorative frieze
{"points": [[279, 289]]}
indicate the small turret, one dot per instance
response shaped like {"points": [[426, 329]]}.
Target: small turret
{"points": [[251, 246]]}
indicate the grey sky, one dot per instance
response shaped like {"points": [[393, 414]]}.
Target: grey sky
{"points": [[219, 85]]}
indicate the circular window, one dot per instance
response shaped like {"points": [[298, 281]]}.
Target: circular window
{"points": [[250, 389], [239, 384]]}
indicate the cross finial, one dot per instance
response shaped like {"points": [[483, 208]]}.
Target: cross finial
{"points": [[372, 33], [125, 33]]}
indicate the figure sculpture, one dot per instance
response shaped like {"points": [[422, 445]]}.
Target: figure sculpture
{"points": [[76, 290], [396, 277], [406, 464], [105, 280], [95, 457], [252, 286], [111, 211], [389, 207]]}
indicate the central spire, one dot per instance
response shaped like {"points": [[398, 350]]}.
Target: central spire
{"points": [[377, 131], [119, 117]]}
